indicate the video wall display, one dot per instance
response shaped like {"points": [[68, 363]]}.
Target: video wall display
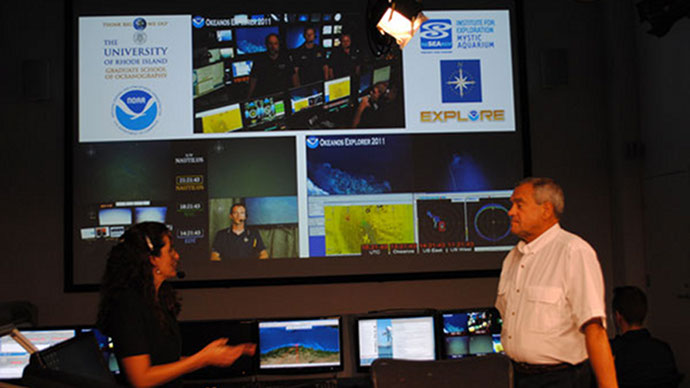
{"points": [[332, 152]]}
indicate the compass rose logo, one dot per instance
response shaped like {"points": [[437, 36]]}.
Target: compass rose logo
{"points": [[461, 81]]}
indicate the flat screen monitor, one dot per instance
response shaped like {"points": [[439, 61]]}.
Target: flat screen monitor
{"points": [[220, 120], [107, 348], [150, 213], [208, 79], [399, 337], [224, 35], [382, 74], [365, 82], [251, 40], [295, 36], [336, 89], [304, 345], [471, 332], [115, 216], [197, 334], [263, 110], [306, 97], [13, 357], [242, 68], [227, 52]]}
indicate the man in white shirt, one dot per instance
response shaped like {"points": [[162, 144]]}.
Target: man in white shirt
{"points": [[551, 297]]}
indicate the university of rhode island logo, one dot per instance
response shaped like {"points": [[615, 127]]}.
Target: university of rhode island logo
{"points": [[136, 110], [139, 36]]}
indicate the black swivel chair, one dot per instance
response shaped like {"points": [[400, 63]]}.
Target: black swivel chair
{"points": [[74, 363], [490, 371]]}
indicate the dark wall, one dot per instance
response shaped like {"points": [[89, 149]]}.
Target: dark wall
{"points": [[611, 93]]}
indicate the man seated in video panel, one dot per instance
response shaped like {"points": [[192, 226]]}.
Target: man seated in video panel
{"points": [[368, 113], [237, 241], [344, 60], [309, 60], [272, 71]]}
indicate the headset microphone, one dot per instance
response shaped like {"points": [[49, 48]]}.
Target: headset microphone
{"points": [[180, 272]]}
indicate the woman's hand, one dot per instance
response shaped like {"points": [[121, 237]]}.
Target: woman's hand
{"points": [[217, 353]]}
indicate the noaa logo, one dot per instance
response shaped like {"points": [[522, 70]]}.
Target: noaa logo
{"points": [[198, 21], [312, 142], [139, 24], [435, 34], [136, 110]]}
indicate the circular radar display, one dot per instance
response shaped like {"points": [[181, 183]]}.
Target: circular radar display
{"points": [[492, 222]]}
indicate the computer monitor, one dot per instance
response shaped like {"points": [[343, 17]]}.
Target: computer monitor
{"points": [[106, 346], [263, 110], [115, 216], [399, 337], [365, 82], [242, 68], [224, 35], [197, 334], [382, 74], [295, 35], [208, 79], [336, 90], [150, 213], [13, 357], [306, 97], [224, 119], [252, 40], [471, 332], [300, 345], [75, 359]]}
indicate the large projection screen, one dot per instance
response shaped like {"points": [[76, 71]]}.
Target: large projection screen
{"points": [[351, 167]]}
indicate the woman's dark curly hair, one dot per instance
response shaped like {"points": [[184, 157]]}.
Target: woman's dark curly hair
{"points": [[129, 268]]}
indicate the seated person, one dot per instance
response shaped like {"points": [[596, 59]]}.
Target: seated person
{"points": [[237, 241], [368, 113], [641, 360]]}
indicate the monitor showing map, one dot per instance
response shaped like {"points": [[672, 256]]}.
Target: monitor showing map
{"points": [[300, 344]]}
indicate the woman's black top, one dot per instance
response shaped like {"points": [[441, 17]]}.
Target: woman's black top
{"points": [[136, 330]]}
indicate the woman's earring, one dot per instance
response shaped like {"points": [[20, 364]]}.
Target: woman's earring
{"points": [[158, 271]]}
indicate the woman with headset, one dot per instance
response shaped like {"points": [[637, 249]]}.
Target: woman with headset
{"points": [[139, 309]]}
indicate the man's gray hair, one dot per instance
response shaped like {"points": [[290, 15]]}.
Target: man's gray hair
{"points": [[547, 190]]}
